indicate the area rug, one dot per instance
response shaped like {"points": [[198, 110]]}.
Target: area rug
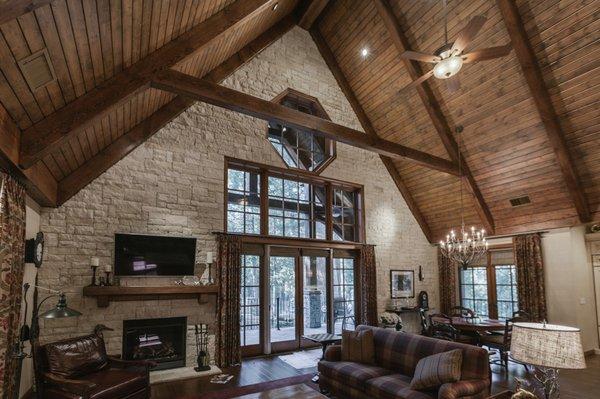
{"points": [[234, 392], [180, 373], [302, 360]]}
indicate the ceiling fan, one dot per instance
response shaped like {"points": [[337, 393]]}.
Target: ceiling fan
{"points": [[449, 58]]}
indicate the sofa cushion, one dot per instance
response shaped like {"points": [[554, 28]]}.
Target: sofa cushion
{"points": [[353, 374], [357, 346], [435, 370], [395, 386], [75, 357]]}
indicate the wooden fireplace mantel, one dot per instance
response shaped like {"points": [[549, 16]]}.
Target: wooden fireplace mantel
{"points": [[105, 294]]}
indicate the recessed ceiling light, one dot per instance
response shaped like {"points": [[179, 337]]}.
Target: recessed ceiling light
{"points": [[364, 52], [275, 6]]}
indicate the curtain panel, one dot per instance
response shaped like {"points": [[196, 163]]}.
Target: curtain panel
{"points": [[12, 262], [530, 275], [368, 286], [228, 352], [447, 272]]}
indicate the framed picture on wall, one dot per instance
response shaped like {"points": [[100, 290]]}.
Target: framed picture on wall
{"points": [[402, 284]]}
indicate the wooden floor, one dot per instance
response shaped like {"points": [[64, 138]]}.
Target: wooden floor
{"points": [[577, 384]]}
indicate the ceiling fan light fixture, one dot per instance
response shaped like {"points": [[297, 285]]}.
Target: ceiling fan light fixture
{"points": [[448, 67]]}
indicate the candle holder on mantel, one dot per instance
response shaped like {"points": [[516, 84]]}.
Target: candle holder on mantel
{"points": [[95, 263], [107, 278], [209, 263]]}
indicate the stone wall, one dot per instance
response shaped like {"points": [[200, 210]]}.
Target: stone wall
{"points": [[173, 184]]}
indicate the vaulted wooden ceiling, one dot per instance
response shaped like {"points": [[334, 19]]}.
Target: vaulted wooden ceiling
{"points": [[530, 119]]}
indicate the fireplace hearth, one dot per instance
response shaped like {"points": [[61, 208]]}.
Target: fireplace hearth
{"points": [[160, 340]]}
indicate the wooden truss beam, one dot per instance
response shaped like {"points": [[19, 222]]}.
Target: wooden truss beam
{"points": [[311, 13], [220, 96], [541, 97], [117, 150], [434, 110], [38, 181], [364, 120], [48, 134]]}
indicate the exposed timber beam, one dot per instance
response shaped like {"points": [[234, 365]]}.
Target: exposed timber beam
{"points": [[311, 13], [48, 134], [541, 97], [11, 9], [117, 150], [365, 122], [220, 96], [434, 110], [38, 181]]}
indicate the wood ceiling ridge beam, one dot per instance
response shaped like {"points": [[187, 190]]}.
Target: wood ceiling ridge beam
{"points": [[51, 132], [11, 9], [364, 120], [434, 110], [541, 96], [81, 177], [224, 97], [312, 13]]}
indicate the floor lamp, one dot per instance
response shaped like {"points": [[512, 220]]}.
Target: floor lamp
{"points": [[26, 333]]}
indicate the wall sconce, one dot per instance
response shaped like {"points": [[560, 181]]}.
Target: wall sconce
{"points": [[421, 277]]}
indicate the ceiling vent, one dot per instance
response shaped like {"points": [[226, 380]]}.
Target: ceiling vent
{"points": [[520, 201], [37, 69]]}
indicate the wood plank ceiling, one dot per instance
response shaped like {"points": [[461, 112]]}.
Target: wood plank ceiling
{"points": [[506, 144]]}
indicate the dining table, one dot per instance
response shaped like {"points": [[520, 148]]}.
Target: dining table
{"points": [[474, 324]]}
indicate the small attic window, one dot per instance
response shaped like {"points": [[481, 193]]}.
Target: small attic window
{"points": [[300, 149]]}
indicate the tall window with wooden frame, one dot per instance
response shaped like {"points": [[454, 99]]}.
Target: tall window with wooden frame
{"points": [[275, 202], [490, 287], [301, 149]]}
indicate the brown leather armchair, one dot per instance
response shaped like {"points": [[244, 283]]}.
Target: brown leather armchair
{"points": [[79, 368]]}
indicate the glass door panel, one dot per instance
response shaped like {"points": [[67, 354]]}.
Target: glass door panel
{"points": [[282, 281], [250, 304], [343, 295], [315, 294]]}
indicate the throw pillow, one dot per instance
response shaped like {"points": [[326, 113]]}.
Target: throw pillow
{"points": [[358, 346], [435, 370]]}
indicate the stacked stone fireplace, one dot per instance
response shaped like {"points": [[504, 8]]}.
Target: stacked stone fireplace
{"points": [[162, 340]]}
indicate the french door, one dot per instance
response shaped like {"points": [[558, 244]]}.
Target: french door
{"points": [[287, 293]]}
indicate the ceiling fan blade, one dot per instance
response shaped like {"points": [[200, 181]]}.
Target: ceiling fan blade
{"points": [[453, 84], [416, 82], [468, 33], [487, 53], [414, 55]]}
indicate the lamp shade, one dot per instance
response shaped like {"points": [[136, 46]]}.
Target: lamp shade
{"points": [[547, 345], [60, 310]]}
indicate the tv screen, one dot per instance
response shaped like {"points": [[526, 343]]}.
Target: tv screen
{"points": [[141, 255]]}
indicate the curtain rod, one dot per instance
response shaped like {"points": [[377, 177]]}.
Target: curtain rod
{"points": [[518, 234], [310, 240]]}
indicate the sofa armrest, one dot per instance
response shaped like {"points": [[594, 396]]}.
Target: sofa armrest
{"points": [[333, 353], [120, 363], [79, 387], [459, 389]]}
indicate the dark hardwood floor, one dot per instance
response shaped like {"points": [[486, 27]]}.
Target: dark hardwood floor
{"points": [[575, 384]]}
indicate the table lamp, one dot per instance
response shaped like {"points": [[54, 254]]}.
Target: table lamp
{"points": [[549, 348]]}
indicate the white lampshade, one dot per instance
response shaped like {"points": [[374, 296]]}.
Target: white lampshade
{"points": [[547, 345]]}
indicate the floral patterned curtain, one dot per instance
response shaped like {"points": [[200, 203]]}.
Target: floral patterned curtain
{"points": [[447, 274], [530, 275], [368, 286], [12, 258], [228, 351]]}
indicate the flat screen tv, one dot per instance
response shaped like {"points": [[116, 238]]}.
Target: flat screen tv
{"points": [[142, 255]]}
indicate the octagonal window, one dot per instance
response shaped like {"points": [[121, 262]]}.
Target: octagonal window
{"points": [[300, 149]]}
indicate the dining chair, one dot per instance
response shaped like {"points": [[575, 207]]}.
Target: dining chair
{"points": [[501, 343], [442, 329], [425, 325]]}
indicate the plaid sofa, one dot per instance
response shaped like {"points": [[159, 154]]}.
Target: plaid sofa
{"points": [[396, 357]]}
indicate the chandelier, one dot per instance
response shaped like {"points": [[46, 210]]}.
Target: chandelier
{"points": [[466, 247]]}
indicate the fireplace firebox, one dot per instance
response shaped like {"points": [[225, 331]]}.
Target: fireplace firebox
{"points": [[160, 340]]}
